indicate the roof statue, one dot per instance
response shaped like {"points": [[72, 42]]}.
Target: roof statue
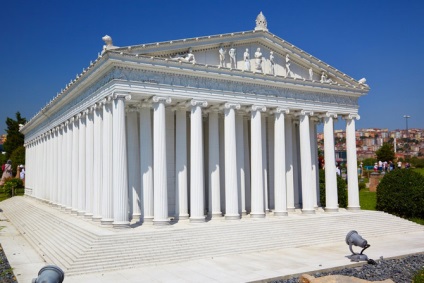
{"points": [[108, 43], [261, 23]]}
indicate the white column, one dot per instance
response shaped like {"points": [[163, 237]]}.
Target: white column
{"points": [[119, 163], [181, 187], [214, 175], [81, 164], [331, 199], [197, 211], [107, 196], [280, 163], [97, 163], [146, 162], [231, 184], [48, 165], [314, 160], [247, 164], [257, 183], [289, 163], [352, 169], [134, 178], [241, 170], [89, 149], [55, 162], [60, 163], [306, 166], [68, 204], [160, 179], [265, 161], [75, 163]]}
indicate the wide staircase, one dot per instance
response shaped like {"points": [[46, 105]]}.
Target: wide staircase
{"points": [[81, 246]]}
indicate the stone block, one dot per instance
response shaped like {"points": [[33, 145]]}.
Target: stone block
{"points": [[306, 278]]}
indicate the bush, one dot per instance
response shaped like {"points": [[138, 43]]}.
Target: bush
{"points": [[11, 185], [362, 186], [401, 192], [341, 190]]}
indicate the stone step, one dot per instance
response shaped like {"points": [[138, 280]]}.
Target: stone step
{"points": [[81, 246]]}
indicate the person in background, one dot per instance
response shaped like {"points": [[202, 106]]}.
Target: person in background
{"points": [[7, 172], [22, 172]]}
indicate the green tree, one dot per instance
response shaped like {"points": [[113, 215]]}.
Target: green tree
{"points": [[18, 158], [15, 138], [385, 153]]}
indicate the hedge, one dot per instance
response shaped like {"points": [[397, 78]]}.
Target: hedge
{"points": [[401, 192]]}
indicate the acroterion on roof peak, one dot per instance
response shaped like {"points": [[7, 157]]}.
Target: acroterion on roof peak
{"points": [[261, 23]]}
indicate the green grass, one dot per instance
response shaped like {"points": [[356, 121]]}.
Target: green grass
{"points": [[367, 199], [419, 170], [18, 192]]}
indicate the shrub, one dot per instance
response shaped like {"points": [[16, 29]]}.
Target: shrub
{"points": [[341, 190], [362, 186], [11, 184], [401, 192]]}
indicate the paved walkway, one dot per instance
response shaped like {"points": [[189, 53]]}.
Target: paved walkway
{"points": [[234, 268]]}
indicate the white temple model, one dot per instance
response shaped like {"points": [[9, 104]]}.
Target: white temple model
{"points": [[173, 130]]}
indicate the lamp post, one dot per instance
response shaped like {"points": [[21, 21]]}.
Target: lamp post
{"points": [[407, 134]]}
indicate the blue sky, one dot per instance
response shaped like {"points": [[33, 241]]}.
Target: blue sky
{"points": [[45, 43]]}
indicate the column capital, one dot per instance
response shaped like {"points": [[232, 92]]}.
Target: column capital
{"points": [[228, 105], [118, 95], [200, 103], [327, 115], [163, 99], [106, 100], [260, 108], [351, 116], [304, 113], [278, 110], [71, 120], [132, 108]]}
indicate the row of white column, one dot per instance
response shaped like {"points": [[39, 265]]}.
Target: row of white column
{"points": [[81, 165]]}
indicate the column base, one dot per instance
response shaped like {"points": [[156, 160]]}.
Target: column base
{"points": [[291, 209], [243, 213], [182, 217], [257, 215], [74, 211], [163, 222], [232, 217], [121, 224], [96, 218], [197, 219], [106, 222], [147, 220], [80, 213], [88, 215], [136, 217], [354, 208], [329, 209], [308, 211], [68, 209], [280, 213]]}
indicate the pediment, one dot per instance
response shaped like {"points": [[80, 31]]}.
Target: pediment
{"points": [[251, 51]]}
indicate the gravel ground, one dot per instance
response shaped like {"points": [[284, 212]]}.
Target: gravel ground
{"points": [[6, 273], [400, 270]]}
